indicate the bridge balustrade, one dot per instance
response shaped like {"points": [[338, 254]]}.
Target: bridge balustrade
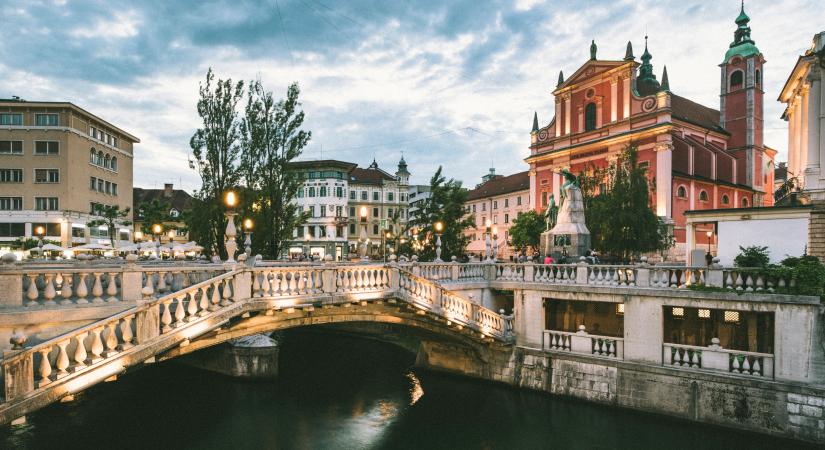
{"points": [[715, 358]]}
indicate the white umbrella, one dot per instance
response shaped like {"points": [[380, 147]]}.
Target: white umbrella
{"points": [[92, 246], [52, 248], [128, 248], [147, 244]]}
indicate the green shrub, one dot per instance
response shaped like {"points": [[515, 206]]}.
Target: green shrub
{"points": [[753, 256]]}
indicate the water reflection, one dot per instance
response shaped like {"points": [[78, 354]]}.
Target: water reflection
{"points": [[344, 393]]}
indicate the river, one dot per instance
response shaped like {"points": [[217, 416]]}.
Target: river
{"points": [[338, 392]]}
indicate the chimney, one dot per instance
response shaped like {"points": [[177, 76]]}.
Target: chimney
{"points": [[167, 190]]}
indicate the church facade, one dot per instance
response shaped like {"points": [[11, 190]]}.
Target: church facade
{"points": [[696, 157]]}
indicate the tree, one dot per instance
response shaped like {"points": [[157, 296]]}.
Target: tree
{"points": [[753, 256], [215, 148], [271, 138], [526, 230], [153, 212], [620, 216], [112, 217], [445, 205]]}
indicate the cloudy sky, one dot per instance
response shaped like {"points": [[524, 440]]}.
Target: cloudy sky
{"points": [[451, 83]]}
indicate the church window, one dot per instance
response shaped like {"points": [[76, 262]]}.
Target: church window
{"points": [[703, 196], [757, 78], [744, 202], [725, 199], [736, 79], [590, 117], [681, 192]]}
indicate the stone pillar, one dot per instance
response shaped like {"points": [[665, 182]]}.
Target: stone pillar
{"points": [[558, 117], [643, 329], [242, 286], [567, 114], [529, 270], [814, 113], [455, 271], [11, 285], [556, 187], [614, 98], [581, 272], [626, 97], [664, 178], [18, 374], [328, 280], [147, 324], [690, 237], [643, 275], [395, 276], [529, 318], [794, 345], [131, 281], [252, 357]]}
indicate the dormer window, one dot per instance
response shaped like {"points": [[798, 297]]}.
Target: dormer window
{"points": [[590, 117], [174, 212]]}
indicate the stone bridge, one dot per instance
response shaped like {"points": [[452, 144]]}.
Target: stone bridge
{"points": [[623, 335]]}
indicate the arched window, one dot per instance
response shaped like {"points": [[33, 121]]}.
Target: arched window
{"points": [[106, 160], [99, 158], [703, 196], [725, 199], [681, 192], [93, 156], [590, 117], [113, 163], [757, 78], [736, 79], [744, 202]]}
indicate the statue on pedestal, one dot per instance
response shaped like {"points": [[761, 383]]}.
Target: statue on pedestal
{"points": [[551, 214], [569, 234]]}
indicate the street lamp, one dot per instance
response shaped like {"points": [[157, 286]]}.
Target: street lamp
{"points": [[138, 235], [40, 231], [386, 243], [488, 245], [157, 230], [494, 256], [363, 238], [708, 256], [247, 226], [231, 246], [439, 227]]}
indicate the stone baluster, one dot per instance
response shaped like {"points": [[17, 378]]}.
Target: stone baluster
{"points": [[126, 333], [32, 293], [111, 339], [111, 287], [66, 289], [203, 301], [44, 369], [227, 292], [192, 306], [49, 292], [216, 297], [62, 360], [256, 285], [97, 345], [149, 287], [166, 316], [82, 290], [97, 289], [179, 311], [80, 354], [162, 285]]}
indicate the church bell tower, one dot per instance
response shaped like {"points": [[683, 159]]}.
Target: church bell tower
{"points": [[741, 103]]}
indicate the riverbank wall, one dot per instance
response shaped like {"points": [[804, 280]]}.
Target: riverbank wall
{"points": [[783, 409]]}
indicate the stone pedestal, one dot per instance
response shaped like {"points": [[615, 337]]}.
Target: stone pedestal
{"points": [[253, 357], [570, 235]]}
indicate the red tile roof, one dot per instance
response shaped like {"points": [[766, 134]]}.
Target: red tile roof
{"points": [[501, 185], [369, 176], [692, 112]]}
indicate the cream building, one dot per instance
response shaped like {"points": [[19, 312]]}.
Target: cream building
{"points": [[57, 161], [378, 203], [497, 201], [805, 113]]}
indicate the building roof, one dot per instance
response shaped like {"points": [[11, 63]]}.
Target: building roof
{"points": [[501, 185], [322, 163], [177, 198], [692, 112], [18, 102], [369, 176], [781, 172]]}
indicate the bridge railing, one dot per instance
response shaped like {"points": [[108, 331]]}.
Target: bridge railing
{"points": [[613, 275], [719, 359], [44, 285], [90, 346], [583, 343], [429, 296]]}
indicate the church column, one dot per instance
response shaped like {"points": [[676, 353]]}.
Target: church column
{"points": [[810, 171], [626, 97], [558, 117], [793, 155], [533, 191], [567, 114], [614, 97], [798, 133], [814, 112], [664, 179]]}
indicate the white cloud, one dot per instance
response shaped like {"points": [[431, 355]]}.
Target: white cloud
{"points": [[121, 25]]}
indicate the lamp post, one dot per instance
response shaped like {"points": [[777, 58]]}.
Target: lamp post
{"points": [[709, 256], [231, 246], [488, 245], [40, 231], [363, 238], [157, 231], [439, 227], [386, 243], [247, 226], [494, 256]]}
